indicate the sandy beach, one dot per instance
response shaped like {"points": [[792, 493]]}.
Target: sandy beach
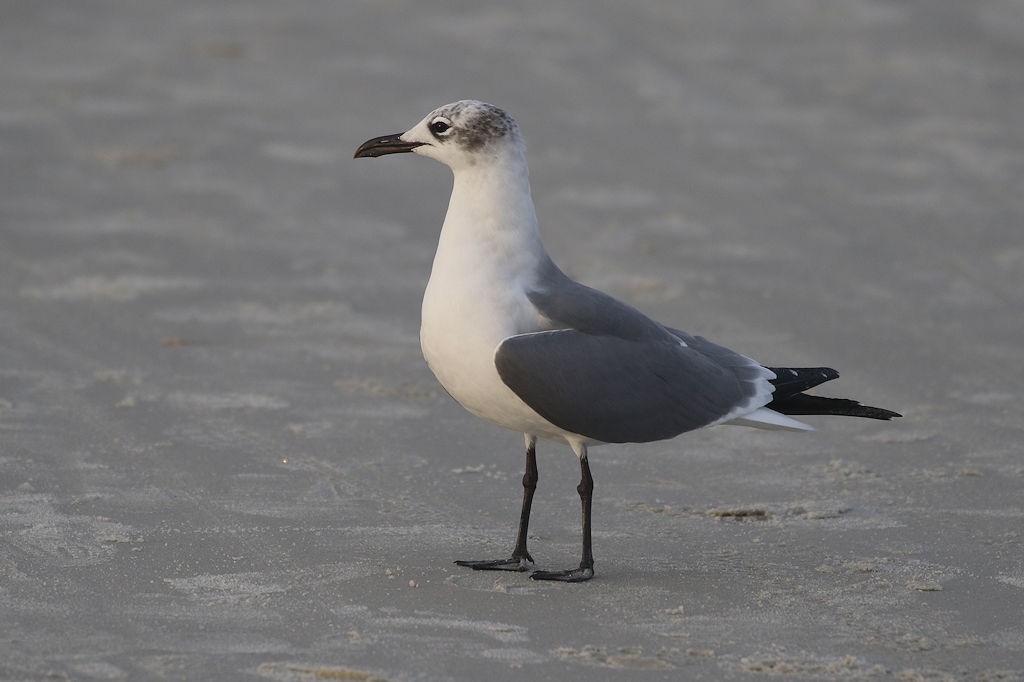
{"points": [[222, 456]]}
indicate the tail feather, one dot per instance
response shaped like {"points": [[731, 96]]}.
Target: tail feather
{"points": [[789, 397]]}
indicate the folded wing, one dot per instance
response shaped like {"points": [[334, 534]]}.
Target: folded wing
{"points": [[618, 390]]}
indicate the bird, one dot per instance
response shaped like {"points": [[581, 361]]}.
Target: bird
{"points": [[520, 344]]}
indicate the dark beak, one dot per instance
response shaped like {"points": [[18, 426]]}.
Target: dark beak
{"points": [[387, 144]]}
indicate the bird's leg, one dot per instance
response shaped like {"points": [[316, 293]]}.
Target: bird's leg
{"points": [[520, 559], [586, 491], [530, 477]]}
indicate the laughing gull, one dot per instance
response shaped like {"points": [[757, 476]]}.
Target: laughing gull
{"points": [[518, 343]]}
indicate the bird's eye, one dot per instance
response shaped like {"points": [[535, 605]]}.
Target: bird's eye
{"points": [[440, 126]]}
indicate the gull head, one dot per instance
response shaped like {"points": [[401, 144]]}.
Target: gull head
{"points": [[460, 134]]}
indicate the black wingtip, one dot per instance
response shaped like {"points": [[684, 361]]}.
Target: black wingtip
{"points": [[814, 404], [879, 413], [789, 397], [791, 380]]}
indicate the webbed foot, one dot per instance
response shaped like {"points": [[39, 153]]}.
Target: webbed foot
{"points": [[513, 563], [572, 575]]}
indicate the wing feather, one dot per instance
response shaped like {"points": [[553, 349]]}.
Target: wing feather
{"points": [[619, 390]]}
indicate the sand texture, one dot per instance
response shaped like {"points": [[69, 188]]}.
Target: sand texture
{"points": [[222, 456]]}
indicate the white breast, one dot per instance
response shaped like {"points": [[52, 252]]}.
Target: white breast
{"points": [[464, 318], [476, 297]]}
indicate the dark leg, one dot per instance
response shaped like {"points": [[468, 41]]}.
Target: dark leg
{"points": [[529, 486], [520, 559], [586, 491]]}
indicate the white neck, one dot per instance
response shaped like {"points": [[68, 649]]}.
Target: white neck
{"points": [[489, 256], [491, 224]]}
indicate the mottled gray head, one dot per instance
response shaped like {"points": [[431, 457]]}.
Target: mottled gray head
{"points": [[462, 133]]}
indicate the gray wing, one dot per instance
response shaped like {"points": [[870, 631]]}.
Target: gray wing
{"points": [[571, 305], [608, 372], [618, 390], [745, 368]]}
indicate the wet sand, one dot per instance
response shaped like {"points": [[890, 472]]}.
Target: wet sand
{"points": [[221, 454]]}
